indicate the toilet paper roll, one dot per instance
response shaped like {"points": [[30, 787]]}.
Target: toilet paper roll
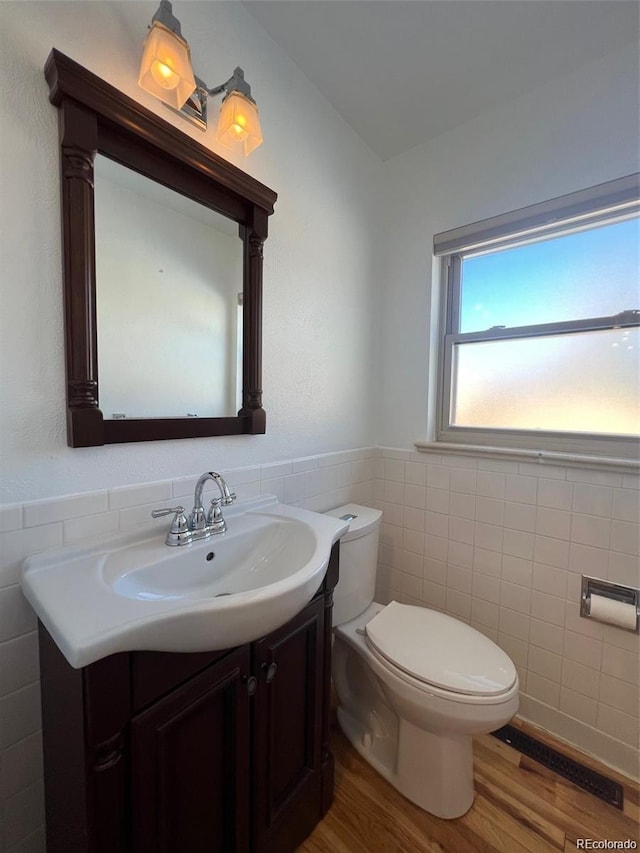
{"points": [[613, 612]]}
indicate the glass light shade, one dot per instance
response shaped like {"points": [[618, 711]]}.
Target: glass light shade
{"points": [[239, 124], [165, 70]]}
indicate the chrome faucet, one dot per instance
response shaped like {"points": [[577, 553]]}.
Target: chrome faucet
{"points": [[212, 522], [199, 525]]}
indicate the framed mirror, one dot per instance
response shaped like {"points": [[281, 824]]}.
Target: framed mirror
{"points": [[162, 248]]}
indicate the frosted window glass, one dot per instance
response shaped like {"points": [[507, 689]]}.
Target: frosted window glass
{"points": [[584, 382], [592, 273]]}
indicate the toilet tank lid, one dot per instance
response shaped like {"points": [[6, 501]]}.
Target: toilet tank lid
{"points": [[364, 520]]}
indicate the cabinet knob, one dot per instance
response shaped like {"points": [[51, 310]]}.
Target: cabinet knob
{"points": [[252, 684], [270, 671]]}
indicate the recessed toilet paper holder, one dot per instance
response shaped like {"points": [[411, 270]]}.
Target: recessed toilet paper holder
{"points": [[614, 591]]}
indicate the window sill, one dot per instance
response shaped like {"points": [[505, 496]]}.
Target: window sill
{"points": [[542, 457]]}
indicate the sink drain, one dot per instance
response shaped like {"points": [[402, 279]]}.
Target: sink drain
{"points": [[220, 594]]}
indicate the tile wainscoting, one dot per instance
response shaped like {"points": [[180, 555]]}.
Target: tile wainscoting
{"points": [[500, 545], [317, 482]]}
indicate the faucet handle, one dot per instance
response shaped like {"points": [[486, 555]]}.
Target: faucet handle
{"points": [[158, 513], [227, 494], [215, 520], [179, 533]]}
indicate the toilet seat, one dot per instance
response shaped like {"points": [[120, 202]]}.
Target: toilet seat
{"points": [[431, 651]]}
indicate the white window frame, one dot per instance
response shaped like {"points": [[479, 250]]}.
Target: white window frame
{"points": [[611, 201]]}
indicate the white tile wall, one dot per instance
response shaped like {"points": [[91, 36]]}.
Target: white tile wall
{"points": [[512, 541], [500, 545], [317, 482]]}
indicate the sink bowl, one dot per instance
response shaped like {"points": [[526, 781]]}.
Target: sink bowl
{"points": [[257, 551], [131, 592]]}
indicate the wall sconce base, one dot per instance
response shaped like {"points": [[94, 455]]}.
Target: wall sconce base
{"points": [[195, 107]]}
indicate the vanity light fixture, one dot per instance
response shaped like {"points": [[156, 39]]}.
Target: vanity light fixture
{"points": [[166, 72]]}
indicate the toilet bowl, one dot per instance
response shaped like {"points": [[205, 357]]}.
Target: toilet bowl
{"points": [[414, 685]]}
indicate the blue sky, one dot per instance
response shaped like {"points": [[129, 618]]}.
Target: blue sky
{"points": [[588, 274]]}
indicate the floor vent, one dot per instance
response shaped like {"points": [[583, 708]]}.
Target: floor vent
{"points": [[595, 783]]}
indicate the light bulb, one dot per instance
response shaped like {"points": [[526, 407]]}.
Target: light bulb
{"points": [[237, 131], [164, 75]]}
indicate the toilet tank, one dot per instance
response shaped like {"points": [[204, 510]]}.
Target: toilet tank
{"points": [[358, 561]]}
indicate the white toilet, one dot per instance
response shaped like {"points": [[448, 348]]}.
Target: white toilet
{"points": [[413, 684]]}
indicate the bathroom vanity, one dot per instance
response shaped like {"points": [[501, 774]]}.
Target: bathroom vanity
{"points": [[227, 751]]}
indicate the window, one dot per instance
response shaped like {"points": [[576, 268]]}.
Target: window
{"points": [[541, 345]]}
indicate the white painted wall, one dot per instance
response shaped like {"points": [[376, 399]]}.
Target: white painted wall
{"points": [[502, 545], [327, 371], [320, 307], [575, 133]]}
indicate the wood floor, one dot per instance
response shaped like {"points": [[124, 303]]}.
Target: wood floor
{"points": [[519, 806]]}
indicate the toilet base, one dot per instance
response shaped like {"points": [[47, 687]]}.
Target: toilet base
{"points": [[434, 771]]}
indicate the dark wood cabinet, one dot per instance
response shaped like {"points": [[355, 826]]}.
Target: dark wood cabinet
{"points": [[221, 752], [288, 721], [190, 764]]}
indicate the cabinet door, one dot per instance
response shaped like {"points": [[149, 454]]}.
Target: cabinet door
{"points": [[190, 765], [288, 732]]}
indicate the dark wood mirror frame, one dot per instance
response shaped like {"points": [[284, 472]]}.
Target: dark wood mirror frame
{"points": [[95, 117]]}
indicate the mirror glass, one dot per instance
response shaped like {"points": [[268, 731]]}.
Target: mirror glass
{"points": [[169, 280]]}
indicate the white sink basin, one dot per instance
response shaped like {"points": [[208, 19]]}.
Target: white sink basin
{"points": [[257, 551], [132, 592]]}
